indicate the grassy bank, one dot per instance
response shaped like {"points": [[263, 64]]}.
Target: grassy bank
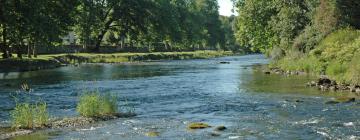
{"points": [[56, 60], [337, 56]]}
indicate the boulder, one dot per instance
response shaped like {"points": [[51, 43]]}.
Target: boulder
{"points": [[267, 72], [220, 128], [223, 62], [198, 125], [152, 134], [324, 81], [215, 134]]}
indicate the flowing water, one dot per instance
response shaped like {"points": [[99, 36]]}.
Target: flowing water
{"points": [[169, 95]]}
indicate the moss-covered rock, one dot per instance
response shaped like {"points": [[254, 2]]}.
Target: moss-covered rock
{"points": [[198, 125], [152, 134]]}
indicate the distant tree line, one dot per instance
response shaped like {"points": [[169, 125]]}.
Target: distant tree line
{"points": [[181, 24]]}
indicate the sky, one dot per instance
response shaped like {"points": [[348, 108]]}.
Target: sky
{"points": [[225, 7]]}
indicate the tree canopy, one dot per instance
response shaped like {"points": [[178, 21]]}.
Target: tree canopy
{"points": [[172, 24]]}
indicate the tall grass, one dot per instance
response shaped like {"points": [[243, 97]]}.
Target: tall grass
{"points": [[29, 116], [352, 74], [93, 104]]}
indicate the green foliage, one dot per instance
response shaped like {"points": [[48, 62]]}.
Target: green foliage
{"points": [[336, 55], [29, 116], [305, 64], [336, 70], [252, 26], [340, 45], [352, 74], [92, 104]]}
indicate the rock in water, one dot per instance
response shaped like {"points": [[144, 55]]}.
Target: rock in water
{"points": [[324, 81], [215, 134], [331, 102], [345, 99], [198, 125], [220, 128], [224, 62], [152, 134], [341, 100]]}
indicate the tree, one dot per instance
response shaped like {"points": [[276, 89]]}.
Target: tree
{"points": [[28, 22], [127, 16]]}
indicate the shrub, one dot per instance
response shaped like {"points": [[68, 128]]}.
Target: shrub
{"points": [[92, 104], [336, 70], [352, 75], [29, 116]]}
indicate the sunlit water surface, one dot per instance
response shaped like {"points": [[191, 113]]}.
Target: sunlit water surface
{"points": [[168, 95]]}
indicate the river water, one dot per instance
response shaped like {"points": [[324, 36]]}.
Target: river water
{"points": [[169, 95]]}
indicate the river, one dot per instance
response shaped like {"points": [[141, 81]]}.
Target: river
{"points": [[168, 95]]}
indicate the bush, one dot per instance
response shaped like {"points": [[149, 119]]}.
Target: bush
{"points": [[352, 75], [336, 70], [307, 64], [29, 116], [92, 104]]}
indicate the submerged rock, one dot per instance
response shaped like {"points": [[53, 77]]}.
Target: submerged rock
{"points": [[345, 99], [15, 133], [341, 100], [152, 134], [198, 125], [223, 62], [332, 102], [220, 128], [215, 134]]}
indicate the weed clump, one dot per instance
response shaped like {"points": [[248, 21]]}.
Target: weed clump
{"points": [[93, 104], [29, 116]]}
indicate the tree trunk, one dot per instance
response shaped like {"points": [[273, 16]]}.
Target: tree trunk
{"points": [[102, 34], [29, 51], [18, 51], [34, 51], [4, 47]]}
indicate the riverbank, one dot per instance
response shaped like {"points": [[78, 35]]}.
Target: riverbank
{"points": [[335, 58], [57, 60]]}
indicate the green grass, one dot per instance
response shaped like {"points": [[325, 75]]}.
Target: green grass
{"points": [[56, 60], [92, 104], [28, 116], [337, 56]]}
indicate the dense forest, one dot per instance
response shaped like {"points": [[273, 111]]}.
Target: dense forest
{"points": [[172, 25], [315, 36]]}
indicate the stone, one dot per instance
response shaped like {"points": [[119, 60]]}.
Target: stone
{"points": [[220, 128], [332, 102], [342, 100], [215, 134], [267, 72], [333, 88], [357, 90], [152, 134], [224, 62], [198, 125], [299, 101], [324, 81], [311, 84]]}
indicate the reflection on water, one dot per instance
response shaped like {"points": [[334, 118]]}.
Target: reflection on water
{"points": [[169, 95]]}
